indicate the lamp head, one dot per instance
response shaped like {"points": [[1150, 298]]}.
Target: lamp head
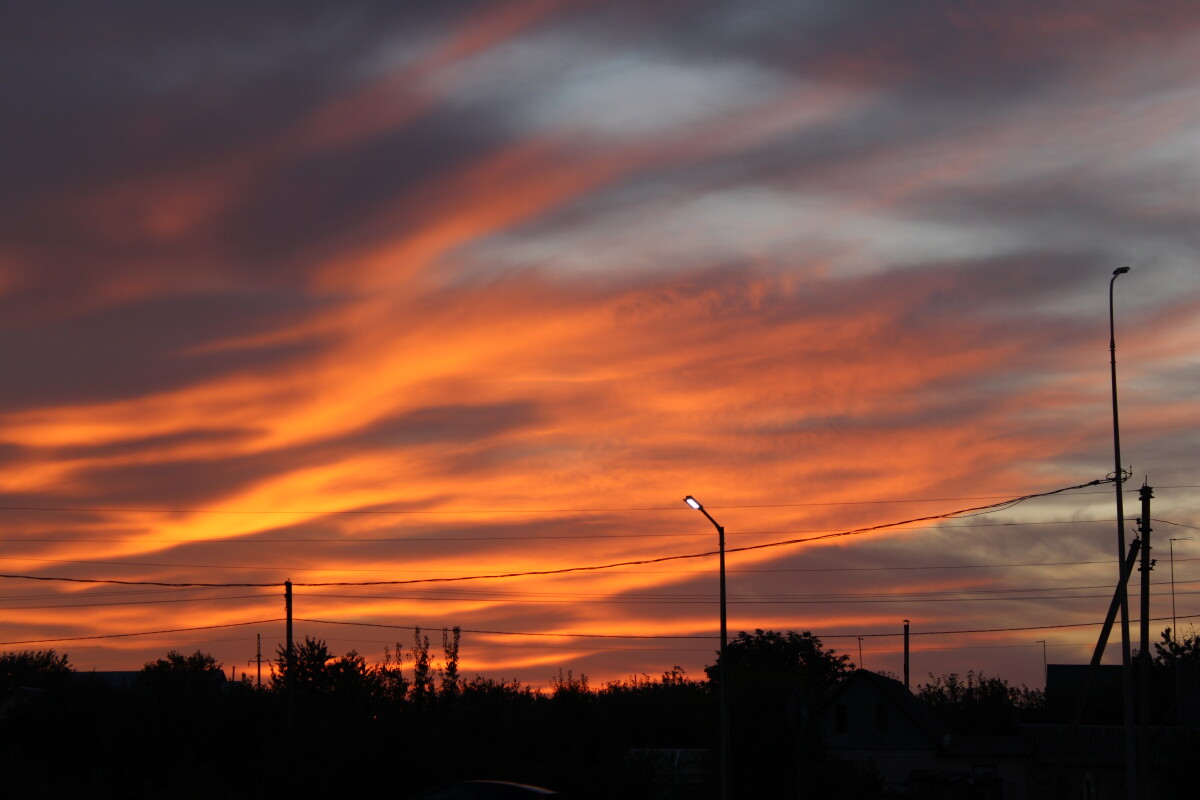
{"points": [[693, 502], [1120, 271]]}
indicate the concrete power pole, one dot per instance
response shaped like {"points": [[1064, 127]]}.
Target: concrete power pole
{"points": [[1144, 666]]}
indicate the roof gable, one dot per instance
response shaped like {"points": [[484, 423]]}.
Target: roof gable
{"points": [[892, 692]]}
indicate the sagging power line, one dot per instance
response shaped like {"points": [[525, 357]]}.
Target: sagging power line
{"points": [[971, 511]]}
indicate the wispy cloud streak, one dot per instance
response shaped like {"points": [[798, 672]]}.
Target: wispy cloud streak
{"points": [[334, 294]]}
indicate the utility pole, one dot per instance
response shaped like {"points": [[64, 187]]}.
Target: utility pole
{"points": [[287, 606], [257, 660], [906, 654], [291, 649], [1144, 494]]}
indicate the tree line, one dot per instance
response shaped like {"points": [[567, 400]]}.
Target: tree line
{"points": [[338, 723]]}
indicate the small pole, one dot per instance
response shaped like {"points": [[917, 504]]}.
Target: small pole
{"points": [[259, 660], [860, 660], [906, 686], [1045, 668]]}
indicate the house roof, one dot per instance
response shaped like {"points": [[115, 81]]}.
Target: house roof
{"points": [[898, 697]]}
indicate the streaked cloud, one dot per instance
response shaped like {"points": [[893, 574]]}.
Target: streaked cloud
{"points": [[386, 292]]}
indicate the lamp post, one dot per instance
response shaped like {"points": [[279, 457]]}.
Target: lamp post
{"points": [[1174, 622], [1131, 778], [723, 668]]}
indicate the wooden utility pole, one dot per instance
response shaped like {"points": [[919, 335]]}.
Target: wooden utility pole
{"points": [[906, 654]]}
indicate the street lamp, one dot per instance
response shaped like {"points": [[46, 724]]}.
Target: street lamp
{"points": [[723, 668], [1131, 776], [1174, 623]]}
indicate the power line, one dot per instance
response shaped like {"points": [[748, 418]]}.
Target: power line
{"points": [[822, 636], [511, 633], [1177, 524], [559, 597], [972, 511], [392, 569], [156, 564], [990, 630], [57, 595], [527, 598], [144, 633], [150, 602], [773, 600], [888, 568], [139, 583], [569, 635]]}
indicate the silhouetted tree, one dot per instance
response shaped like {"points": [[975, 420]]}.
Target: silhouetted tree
{"points": [[422, 684], [980, 704], [390, 672], [1175, 675], [177, 662], [781, 663], [775, 679], [315, 671], [450, 643], [32, 669], [568, 684], [1169, 652], [672, 711]]}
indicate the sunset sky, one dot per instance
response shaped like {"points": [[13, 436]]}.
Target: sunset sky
{"points": [[381, 291]]}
